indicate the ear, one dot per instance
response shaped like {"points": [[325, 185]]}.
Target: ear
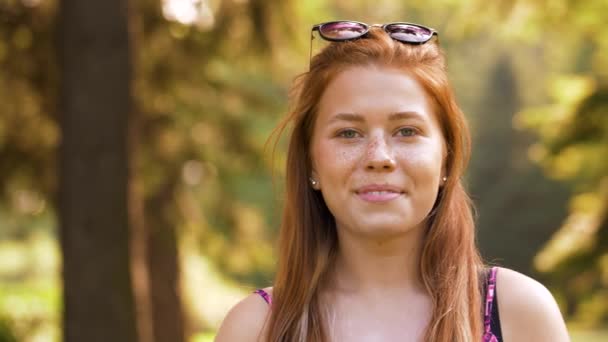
{"points": [[444, 172], [314, 180]]}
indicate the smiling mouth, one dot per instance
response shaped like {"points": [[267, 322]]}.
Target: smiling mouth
{"points": [[378, 195]]}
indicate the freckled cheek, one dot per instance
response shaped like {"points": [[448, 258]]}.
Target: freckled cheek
{"points": [[336, 162]]}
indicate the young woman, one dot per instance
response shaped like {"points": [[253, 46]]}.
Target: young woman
{"points": [[377, 240]]}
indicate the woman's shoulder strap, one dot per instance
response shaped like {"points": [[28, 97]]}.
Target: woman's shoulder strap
{"points": [[265, 295], [492, 330]]}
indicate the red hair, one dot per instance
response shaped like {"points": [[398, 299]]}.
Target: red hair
{"points": [[450, 264]]}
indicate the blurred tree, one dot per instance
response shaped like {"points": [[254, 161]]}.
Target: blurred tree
{"points": [[28, 139], [161, 271], [216, 93], [516, 205], [95, 106], [28, 130]]}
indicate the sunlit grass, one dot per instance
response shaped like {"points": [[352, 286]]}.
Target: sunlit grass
{"points": [[30, 287], [203, 337], [589, 335], [207, 294]]}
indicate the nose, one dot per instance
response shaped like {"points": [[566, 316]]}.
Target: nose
{"points": [[379, 156]]}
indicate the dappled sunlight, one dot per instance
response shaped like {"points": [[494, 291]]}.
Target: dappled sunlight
{"points": [[567, 92], [569, 162], [571, 89], [28, 202], [12, 262], [30, 289], [207, 294], [193, 172], [577, 233], [189, 12]]}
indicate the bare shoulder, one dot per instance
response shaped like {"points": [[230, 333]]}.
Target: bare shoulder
{"points": [[527, 310], [245, 321]]}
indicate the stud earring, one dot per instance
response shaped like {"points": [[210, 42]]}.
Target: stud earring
{"points": [[444, 179], [313, 182]]}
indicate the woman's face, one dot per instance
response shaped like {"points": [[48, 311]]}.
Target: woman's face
{"points": [[377, 151]]}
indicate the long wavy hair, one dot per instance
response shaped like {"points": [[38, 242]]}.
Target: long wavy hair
{"points": [[450, 265]]}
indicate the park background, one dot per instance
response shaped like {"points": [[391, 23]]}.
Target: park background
{"points": [[139, 202]]}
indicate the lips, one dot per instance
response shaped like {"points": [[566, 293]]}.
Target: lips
{"points": [[378, 193]]}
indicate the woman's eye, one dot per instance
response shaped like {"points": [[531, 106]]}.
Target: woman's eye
{"points": [[406, 132], [348, 133]]}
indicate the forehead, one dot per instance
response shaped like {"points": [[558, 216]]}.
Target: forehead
{"points": [[373, 90]]}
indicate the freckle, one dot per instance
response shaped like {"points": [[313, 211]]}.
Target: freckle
{"points": [[346, 156], [371, 148]]}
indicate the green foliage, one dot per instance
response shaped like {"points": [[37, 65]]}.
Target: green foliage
{"points": [[572, 127], [572, 144], [6, 331]]}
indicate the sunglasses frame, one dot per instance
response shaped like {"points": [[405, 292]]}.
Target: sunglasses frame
{"points": [[318, 28]]}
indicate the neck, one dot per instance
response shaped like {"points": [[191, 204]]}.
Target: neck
{"points": [[365, 264]]}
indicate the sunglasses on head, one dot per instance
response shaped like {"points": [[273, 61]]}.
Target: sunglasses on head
{"points": [[338, 31]]}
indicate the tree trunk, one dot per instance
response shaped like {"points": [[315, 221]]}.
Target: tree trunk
{"points": [[95, 103], [164, 264], [139, 232], [139, 235], [161, 240]]}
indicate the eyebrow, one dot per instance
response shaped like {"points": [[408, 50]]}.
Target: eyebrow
{"points": [[347, 117], [355, 117], [405, 115]]}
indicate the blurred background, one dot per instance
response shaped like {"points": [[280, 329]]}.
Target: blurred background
{"points": [[140, 126]]}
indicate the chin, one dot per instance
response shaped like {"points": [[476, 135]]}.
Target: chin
{"points": [[385, 229]]}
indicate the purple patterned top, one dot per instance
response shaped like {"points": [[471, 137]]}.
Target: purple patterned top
{"points": [[488, 336], [264, 295]]}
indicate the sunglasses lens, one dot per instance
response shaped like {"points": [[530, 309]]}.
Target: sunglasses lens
{"points": [[409, 33], [342, 30]]}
